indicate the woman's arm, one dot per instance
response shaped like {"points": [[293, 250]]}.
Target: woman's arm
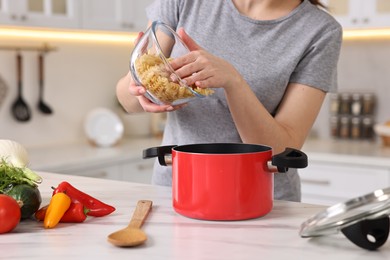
{"points": [[293, 120], [288, 128]]}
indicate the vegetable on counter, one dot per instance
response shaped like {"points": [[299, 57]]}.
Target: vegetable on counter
{"points": [[14, 153], [59, 204], [9, 213], [13, 165], [18, 181], [12, 175], [96, 207], [28, 197], [76, 213]]}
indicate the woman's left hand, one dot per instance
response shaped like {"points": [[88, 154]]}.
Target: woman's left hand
{"points": [[204, 69]]}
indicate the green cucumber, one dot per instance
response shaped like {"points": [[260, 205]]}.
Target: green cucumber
{"points": [[28, 197]]}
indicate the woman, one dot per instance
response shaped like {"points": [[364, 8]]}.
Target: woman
{"points": [[270, 63]]}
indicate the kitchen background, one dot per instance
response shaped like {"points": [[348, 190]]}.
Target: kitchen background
{"points": [[81, 74]]}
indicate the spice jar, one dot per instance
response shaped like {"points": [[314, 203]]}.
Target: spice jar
{"points": [[356, 104], [368, 104], [367, 128], [355, 127], [345, 104], [334, 126], [334, 103], [344, 127]]}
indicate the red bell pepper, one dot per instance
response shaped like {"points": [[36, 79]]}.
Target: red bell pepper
{"points": [[76, 213], [96, 207]]}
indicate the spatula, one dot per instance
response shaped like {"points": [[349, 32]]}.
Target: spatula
{"points": [[20, 109], [132, 235], [42, 105]]}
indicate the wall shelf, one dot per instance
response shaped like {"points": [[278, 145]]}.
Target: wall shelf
{"points": [[44, 48]]}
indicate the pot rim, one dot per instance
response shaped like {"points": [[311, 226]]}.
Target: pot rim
{"points": [[222, 148]]}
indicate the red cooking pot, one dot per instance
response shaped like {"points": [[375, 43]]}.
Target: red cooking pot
{"points": [[224, 181]]}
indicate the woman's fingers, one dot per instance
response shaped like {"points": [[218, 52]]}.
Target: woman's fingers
{"points": [[140, 34], [149, 106], [136, 90], [187, 59]]}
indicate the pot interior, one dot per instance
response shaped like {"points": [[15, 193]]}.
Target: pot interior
{"points": [[222, 148]]}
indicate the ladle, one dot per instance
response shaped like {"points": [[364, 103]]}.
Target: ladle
{"points": [[20, 109], [132, 235], [42, 106]]}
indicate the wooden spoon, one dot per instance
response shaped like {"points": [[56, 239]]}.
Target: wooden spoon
{"points": [[132, 235]]}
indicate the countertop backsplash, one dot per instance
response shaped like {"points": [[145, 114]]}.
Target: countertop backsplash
{"points": [[82, 76], [363, 67], [79, 77]]}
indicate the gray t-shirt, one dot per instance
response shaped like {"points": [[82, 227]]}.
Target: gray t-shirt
{"points": [[302, 47]]}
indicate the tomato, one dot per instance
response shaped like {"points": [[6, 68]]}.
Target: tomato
{"points": [[10, 213]]}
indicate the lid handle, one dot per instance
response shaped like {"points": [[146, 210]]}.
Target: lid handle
{"points": [[369, 234]]}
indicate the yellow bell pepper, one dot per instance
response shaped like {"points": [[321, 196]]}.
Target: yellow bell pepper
{"points": [[59, 204]]}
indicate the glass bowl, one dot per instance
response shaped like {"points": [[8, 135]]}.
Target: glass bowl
{"points": [[149, 67]]}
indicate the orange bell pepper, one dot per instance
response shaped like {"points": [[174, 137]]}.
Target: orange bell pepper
{"points": [[59, 204]]}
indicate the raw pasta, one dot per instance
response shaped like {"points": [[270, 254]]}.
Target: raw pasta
{"points": [[156, 79]]}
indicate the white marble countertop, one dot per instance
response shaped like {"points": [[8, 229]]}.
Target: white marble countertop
{"points": [[172, 236]]}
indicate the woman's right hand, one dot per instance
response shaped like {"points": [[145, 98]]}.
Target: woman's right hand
{"points": [[139, 91]]}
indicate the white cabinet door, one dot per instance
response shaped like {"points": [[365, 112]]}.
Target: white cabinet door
{"points": [[42, 13], [330, 183], [114, 15], [347, 12], [101, 14], [112, 172], [138, 171], [377, 12], [353, 14], [132, 170]]}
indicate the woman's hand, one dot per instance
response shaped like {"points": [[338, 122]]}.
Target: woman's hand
{"points": [[139, 91], [146, 104], [203, 69]]}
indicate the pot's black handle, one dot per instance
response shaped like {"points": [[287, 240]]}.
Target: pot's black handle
{"points": [[368, 234], [159, 152], [290, 158]]}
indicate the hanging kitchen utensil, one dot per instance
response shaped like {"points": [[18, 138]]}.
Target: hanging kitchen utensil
{"points": [[363, 220], [42, 106], [20, 109]]}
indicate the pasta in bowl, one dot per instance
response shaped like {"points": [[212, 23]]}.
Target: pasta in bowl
{"points": [[149, 66]]}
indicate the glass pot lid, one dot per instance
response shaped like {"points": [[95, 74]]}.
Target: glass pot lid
{"points": [[364, 220]]}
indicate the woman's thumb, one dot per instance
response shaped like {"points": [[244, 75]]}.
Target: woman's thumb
{"points": [[191, 44]]}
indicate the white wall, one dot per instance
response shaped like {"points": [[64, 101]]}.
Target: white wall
{"points": [[79, 77], [82, 76]]}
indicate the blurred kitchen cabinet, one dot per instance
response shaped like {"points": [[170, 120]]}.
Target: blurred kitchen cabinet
{"points": [[115, 15], [40, 13], [138, 171], [331, 183], [354, 14], [112, 172], [134, 170]]}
